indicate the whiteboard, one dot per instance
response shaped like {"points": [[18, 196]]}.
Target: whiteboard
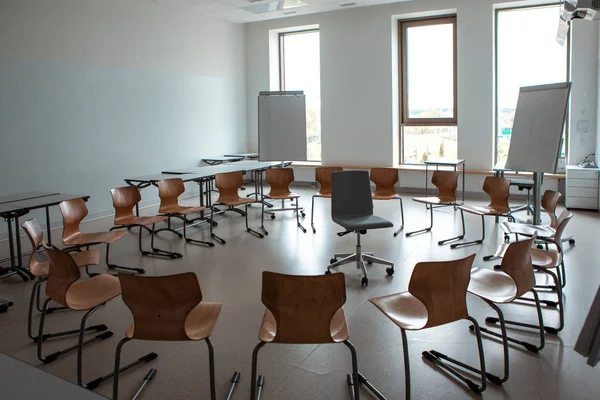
{"points": [[535, 142], [282, 126]]}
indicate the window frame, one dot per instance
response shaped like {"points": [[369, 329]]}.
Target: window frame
{"points": [[403, 81], [281, 37], [567, 77]]}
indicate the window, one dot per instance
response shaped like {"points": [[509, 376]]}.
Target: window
{"points": [[428, 89], [299, 69], [526, 55]]}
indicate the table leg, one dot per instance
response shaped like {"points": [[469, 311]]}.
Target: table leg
{"points": [[537, 185], [463, 179], [426, 180], [11, 246], [18, 238], [48, 228]]}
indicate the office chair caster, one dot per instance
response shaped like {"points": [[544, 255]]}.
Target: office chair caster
{"points": [[506, 238], [389, 271], [327, 272], [332, 260], [364, 282], [541, 247], [571, 242], [272, 216], [303, 214], [369, 262], [3, 308]]}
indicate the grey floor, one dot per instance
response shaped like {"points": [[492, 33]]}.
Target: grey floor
{"points": [[232, 274]]}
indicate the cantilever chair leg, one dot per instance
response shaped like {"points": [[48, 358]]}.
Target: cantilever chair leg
{"points": [[298, 218], [442, 361], [401, 218], [354, 375], [459, 237], [117, 369], [194, 241], [312, 214], [115, 266], [156, 251], [530, 347], [213, 235], [51, 357], [408, 234], [262, 219], [168, 228], [248, 229], [555, 304], [472, 242], [253, 380], [35, 292]]}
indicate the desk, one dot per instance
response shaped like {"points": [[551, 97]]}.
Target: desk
{"points": [[248, 156], [15, 206], [221, 160], [23, 381], [449, 163]]}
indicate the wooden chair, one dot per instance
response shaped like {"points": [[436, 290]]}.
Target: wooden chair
{"points": [[279, 179], [323, 178], [229, 184], [498, 191], [501, 287], [551, 263], [41, 268], [385, 179], [303, 310], [65, 288], [124, 200], [73, 212], [446, 183], [437, 295], [169, 191], [167, 308]]}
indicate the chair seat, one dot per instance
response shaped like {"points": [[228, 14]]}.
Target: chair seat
{"points": [[89, 293], [404, 309], [485, 210], [434, 200], [282, 196], [359, 223], [385, 196], [338, 327], [92, 238], [539, 258], [495, 286], [527, 229], [81, 258], [143, 221], [199, 323], [236, 202], [182, 210], [319, 194]]}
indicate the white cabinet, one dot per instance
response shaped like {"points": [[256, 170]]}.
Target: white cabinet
{"points": [[582, 187]]}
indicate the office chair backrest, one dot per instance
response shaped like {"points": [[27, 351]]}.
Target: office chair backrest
{"points": [[498, 190], [63, 273], [323, 177], [303, 306], [160, 304], [34, 231], [442, 287], [169, 191], [549, 202], [229, 184], [124, 199], [279, 179], [73, 212], [517, 264], [446, 183], [351, 194], [384, 179]]}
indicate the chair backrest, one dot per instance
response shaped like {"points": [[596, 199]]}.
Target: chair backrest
{"points": [[498, 189], [549, 202], [442, 287], [63, 273], [446, 183], [561, 224], [229, 185], [351, 194], [124, 199], [384, 179], [303, 306], [517, 264], [160, 304], [73, 212], [323, 177], [35, 234], [279, 179], [169, 191]]}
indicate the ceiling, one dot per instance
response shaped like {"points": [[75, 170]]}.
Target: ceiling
{"points": [[235, 10]]}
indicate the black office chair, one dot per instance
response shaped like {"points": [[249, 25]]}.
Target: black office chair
{"points": [[352, 209]]}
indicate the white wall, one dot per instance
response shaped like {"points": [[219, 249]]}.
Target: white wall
{"points": [[92, 92], [359, 90]]}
